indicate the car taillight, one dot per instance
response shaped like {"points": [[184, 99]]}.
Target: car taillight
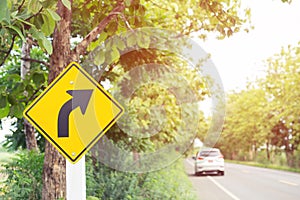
{"points": [[200, 158], [221, 156]]}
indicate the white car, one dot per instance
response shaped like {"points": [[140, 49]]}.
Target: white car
{"points": [[209, 161]]}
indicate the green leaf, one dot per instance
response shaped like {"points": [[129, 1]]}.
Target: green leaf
{"points": [[96, 43], [53, 14], [120, 44], [131, 41], [127, 3], [99, 58], [48, 4], [67, 4], [48, 46], [24, 22], [18, 88], [38, 21], [3, 101], [115, 55], [4, 111], [29, 90], [4, 11], [112, 28], [17, 110], [12, 99], [103, 36], [35, 33], [48, 25], [143, 40], [38, 78], [42, 40], [19, 32], [14, 77], [34, 6]]}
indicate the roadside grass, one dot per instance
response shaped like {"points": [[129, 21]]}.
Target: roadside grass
{"points": [[269, 166], [5, 157]]}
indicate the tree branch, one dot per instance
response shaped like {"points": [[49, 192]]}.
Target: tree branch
{"points": [[9, 50], [20, 6], [159, 6], [92, 36], [125, 21], [34, 95], [217, 16], [37, 61], [36, 14]]}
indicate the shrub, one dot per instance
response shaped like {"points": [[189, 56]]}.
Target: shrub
{"points": [[24, 176], [168, 183], [24, 181]]}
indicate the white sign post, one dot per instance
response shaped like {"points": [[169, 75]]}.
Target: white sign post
{"points": [[76, 180]]}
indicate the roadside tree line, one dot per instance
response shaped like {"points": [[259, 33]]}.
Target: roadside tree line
{"points": [[263, 121]]}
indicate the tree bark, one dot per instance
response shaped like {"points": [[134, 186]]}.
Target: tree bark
{"points": [[54, 174], [268, 151], [31, 142], [29, 131], [54, 171], [290, 157]]}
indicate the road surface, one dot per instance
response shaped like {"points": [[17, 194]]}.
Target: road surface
{"points": [[245, 183]]}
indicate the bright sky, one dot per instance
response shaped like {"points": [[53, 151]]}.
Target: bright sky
{"points": [[240, 56]]}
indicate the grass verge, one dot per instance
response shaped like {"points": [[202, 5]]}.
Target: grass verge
{"points": [[5, 157], [269, 166]]}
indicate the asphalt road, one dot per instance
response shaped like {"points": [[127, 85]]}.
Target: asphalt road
{"points": [[245, 183]]}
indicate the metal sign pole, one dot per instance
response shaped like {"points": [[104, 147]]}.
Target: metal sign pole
{"points": [[76, 180]]}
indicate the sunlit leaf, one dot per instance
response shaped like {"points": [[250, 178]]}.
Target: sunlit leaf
{"points": [[4, 11], [54, 15], [34, 6], [143, 40], [120, 43], [115, 55], [4, 111], [19, 32], [47, 45], [99, 58], [131, 41], [67, 3], [48, 24]]}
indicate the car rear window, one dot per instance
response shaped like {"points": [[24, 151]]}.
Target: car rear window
{"points": [[209, 153]]}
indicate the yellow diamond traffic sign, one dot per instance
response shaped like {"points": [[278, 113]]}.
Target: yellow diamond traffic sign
{"points": [[73, 112]]}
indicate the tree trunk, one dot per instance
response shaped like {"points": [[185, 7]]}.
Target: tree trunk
{"points": [[29, 130], [268, 151], [54, 178], [290, 157], [54, 172], [31, 143]]}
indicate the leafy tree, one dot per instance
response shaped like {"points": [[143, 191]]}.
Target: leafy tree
{"points": [[247, 122], [93, 22], [282, 85], [17, 92], [267, 114], [24, 176]]}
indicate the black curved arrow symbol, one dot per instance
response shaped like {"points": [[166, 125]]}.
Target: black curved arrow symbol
{"points": [[80, 99]]}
